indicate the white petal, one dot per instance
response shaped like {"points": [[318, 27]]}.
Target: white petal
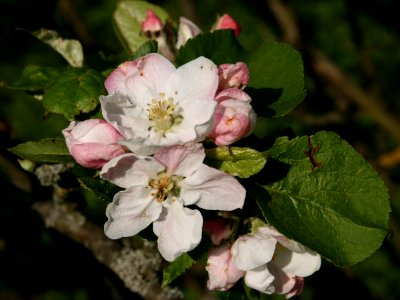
{"points": [[198, 79], [252, 251], [130, 212], [178, 230], [283, 282], [131, 170], [129, 118], [210, 188], [260, 279], [155, 69], [181, 160], [299, 264]]}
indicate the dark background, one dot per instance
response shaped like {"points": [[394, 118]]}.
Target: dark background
{"points": [[359, 38]]}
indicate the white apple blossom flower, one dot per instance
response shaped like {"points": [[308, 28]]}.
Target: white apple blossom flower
{"points": [[273, 263], [158, 188], [155, 105]]}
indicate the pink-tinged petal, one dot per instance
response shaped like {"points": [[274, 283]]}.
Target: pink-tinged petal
{"points": [[195, 80], [299, 264], [222, 272], [152, 22], [227, 22], [232, 93], [252, 251], [93, 142], [181, 160], [218, 229], [178, 230], [207, 188], [297, 288], [260, 279], [233, 120], [155, 70], [130, 212], [130, 170], [186, 30], [116, 81], [93, 155], [233, 75]]}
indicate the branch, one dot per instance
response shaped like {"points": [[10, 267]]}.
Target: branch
{"points": [[136, 263], [342, 83], [334, 76]]}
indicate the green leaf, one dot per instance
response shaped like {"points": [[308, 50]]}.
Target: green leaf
{"points": [[237, 161], [75, 91], [102, 188], [331, 199], [177, 268], [146, 48], [46, 151], [71, 50], [35, 78], [276, 79], [221, 46], [127, 20]]}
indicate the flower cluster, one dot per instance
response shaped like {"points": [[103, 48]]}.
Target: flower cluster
{"points": [[150, 143], [268, 261]]}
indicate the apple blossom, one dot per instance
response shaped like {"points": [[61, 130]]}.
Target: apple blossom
{"points": [[93, 142], [158, 105], [222, 273], [233, 75], [158, 188], [273, 263], [227, 22], [186, 30], [234, 117]]}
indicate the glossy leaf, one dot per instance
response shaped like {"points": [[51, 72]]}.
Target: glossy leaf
{"points": [[276, 79], [220, 46], [102, 188], [35, 78], [146, 48], [45, 151], [177, 268], [75, 91], [237, 161], [331, 199]]}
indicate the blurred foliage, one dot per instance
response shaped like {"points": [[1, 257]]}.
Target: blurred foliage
{"points": [[362, 37]]}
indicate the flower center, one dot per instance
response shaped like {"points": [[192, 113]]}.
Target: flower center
{"points": [[163, 113], [164, 185]]}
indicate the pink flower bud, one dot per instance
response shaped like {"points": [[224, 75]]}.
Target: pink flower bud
{"points": [[218, 229], [233, 118], [222, 272], [93, 142], [227, 22], [233, 75], [152, 22]]}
